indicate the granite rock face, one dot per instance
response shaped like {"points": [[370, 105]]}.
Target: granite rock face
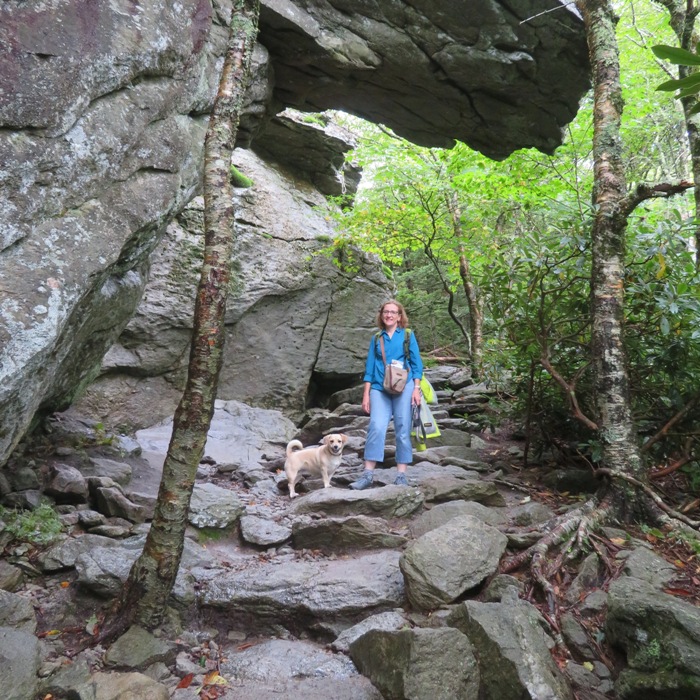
{"points": [[296, 316], [102, 120], [433, 70]]}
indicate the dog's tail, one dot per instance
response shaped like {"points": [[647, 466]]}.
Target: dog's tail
{"points": [[293, 446]]}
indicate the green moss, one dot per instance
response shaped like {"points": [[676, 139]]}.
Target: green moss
{"points": [[238, 179], [188, 262], [318, 119], [214, 534], [635, 685]]}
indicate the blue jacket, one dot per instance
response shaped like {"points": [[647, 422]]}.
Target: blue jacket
{"points": [[393, 349]]}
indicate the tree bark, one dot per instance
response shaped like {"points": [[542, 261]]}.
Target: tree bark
{"points": [[682, 14], [476, 317], [476, 324], [153, 575], [616, 432]]}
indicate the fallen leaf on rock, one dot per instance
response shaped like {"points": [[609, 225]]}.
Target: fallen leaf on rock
{"points": [[677, 591], [186, 681], [213, 678]]}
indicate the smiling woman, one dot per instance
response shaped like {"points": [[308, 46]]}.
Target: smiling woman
{"points": [[393, 345]]}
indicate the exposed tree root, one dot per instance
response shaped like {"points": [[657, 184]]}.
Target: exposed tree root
{"points": [[653, 495], [556, 531], [573, 534]]}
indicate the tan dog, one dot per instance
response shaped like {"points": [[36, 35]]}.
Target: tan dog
{"points": [[323, 460]]}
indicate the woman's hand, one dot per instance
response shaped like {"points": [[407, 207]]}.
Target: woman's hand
{"points": [[365, 403], [416, 396]]}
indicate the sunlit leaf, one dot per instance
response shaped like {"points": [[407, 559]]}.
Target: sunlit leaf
{"points": [[662, 266], [676, 55], [213, 678], [50, 633]]}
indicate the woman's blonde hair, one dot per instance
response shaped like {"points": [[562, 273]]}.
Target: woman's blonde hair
{"points": [[402, 320]]}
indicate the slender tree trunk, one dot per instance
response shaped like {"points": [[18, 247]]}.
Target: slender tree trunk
{"points": [[683, 14], [621, 452], [450, 294], [476, 325], [476, 317], [153, 575]]}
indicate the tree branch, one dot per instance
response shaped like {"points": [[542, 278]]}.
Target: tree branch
{"points": [[669, 424], [569, 390], [645, 191]]}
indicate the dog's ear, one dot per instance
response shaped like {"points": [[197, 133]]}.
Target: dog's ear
{"points": [[343, 437], [326, 440]]}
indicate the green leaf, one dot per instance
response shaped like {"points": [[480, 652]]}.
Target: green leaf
{"points": [[687, 93], [665, 326], [669, 86], [687, 82], [676, 55]]}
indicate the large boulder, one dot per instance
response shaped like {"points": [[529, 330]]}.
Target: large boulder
{"points": [[20, 656], [660, 636], [351, 532], [288, 668], [103, 111], [442, 565], [293, 314], [301, 592], [102, 126], [418, 663], [432, 70], [388, 502], [512, 650]]}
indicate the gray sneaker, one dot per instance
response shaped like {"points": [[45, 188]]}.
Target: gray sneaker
{"points": [[401, 479], [364, 482]]}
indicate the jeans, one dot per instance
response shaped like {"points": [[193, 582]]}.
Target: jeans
{"points": [[382, 407]]}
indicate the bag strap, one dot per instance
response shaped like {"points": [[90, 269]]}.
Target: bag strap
{"points": [[406, 346], [381, 345]]}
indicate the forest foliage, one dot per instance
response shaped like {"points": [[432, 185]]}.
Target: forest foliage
{"points": [[523, 226]]}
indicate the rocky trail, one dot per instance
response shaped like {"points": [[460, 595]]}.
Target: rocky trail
{"points": [[391, 592]]}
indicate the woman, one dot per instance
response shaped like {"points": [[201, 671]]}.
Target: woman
{"points": [[381, 405]]}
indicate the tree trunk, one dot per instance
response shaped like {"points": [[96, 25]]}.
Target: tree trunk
{"points": [[682, 18], [476, 325], [476, 317], [153, 575], [616, 433]]}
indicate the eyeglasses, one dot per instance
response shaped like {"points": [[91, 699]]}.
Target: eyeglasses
{"points": [[390, 313]]}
